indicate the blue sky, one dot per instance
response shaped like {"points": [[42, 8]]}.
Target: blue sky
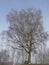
{"points": [[7, 5]]}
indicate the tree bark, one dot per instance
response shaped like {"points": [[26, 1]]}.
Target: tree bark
{"points": [[29, 58]]}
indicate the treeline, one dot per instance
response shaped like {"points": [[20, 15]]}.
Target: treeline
{"points": [[42, 57]]}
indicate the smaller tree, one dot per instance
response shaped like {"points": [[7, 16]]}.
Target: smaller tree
{"points": [[4, 56], [43, 57]]}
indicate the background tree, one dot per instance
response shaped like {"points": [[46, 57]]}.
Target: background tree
{"points": [[26, 31], [43, 57], [4, 56]]}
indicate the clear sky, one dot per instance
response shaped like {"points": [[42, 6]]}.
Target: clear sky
{"points": [[7, 5]]}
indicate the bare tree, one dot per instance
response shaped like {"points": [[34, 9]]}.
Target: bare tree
{"points": [[26, 30], [4, 56], [43, 57]]}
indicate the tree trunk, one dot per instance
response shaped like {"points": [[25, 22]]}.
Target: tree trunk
{"points": [[29, 54], [29, 58]]}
